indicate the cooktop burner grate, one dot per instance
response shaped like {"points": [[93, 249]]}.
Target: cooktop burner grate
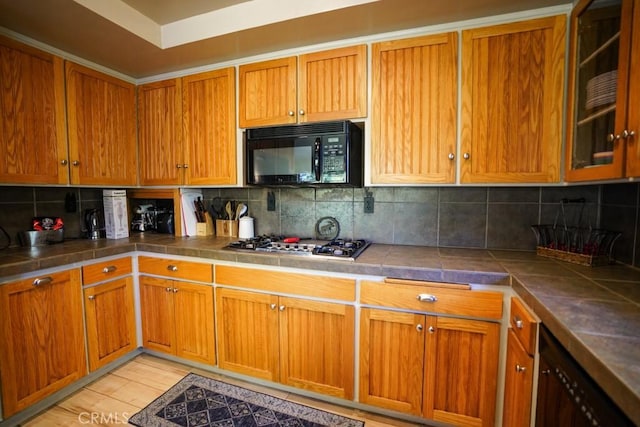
{"points": [[348, 249]]}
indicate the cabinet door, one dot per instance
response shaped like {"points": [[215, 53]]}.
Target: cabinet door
{"points": [[41, 332], [160, 133], [33, 144], [461, 371], [248, 333], [392, 359], [518, 387], [512, 101], [317, 346], [633, 119], [110, 319], [102, 128], [268, 93], [414, 101], [156, 307], [332, 84], [209, 111], [193, 309]]}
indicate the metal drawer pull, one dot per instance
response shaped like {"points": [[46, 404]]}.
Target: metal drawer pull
{"points": [[518, 322], [427, 298], [273, 306], [172, 267], [91, 297], [281, 308], [109, 269], [431, 329], [168, 289], [43, 281], [175, 290], [520, 368], [419, 327]]}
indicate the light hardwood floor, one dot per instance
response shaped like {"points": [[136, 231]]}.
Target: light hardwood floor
{"points": [[111, 399]]}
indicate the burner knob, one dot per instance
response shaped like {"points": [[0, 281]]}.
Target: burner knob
{"points": [[338, 252]]}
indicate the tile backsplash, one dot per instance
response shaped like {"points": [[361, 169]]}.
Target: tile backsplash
{"points": [[468, 217]]}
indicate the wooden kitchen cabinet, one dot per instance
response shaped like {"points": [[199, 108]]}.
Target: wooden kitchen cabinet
{"points": [[319, 86], [512, 102], [209, 125], [160, 149], [33, 142], [430, 365], [604, 114], [41, 331], [101, 114], [414, 102], [177, 316], [299, 342], [109, 311]]}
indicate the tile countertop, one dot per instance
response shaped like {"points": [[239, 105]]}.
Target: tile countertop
{"points": [[594, 312]]}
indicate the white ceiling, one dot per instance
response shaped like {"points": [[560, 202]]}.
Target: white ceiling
{"points": [[143, 38]]}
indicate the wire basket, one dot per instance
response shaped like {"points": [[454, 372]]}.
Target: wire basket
{"points": [[575, 243]]}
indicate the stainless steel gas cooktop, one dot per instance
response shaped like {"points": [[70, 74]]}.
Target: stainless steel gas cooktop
{"points": [[347, 249]]}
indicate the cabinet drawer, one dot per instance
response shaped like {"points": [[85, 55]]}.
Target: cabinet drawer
{"points": [[524, 325], [105, 270], [292, 283], [431, 297], [188, 270]]}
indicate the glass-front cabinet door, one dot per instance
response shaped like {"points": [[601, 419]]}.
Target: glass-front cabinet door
{"points": [[597, 128]]}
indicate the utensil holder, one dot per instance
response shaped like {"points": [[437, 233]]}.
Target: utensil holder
{"points": [[226, 228], [205, 228]]}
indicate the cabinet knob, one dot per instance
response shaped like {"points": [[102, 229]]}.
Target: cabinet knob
{"points": [[64, 162], [611, 137], [466, 156], [169, 289], [109, 269], [451, 156], [178, 166], [431, 329], [42, 281], [518, 322], [76, 163], [273, 306], [91, 297], [175, 290], [427, 298], [172, 267], [419, 327], [281, 308], [185, 166], [628, 134], [301, 112], [520, 368], [291, 113]]}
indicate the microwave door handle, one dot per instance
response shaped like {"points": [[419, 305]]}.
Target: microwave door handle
{"points": [[316, 159]]}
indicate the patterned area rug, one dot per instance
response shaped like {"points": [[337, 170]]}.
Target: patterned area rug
{"points": [[196, 401]]}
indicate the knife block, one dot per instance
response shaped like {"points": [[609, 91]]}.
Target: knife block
{"points": [[226, 228], [205, 228]]}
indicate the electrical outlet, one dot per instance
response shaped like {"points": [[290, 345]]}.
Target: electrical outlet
{"points": [[271, 201], [368, 204]]}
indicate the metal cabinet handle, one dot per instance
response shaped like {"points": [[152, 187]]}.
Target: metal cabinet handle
{"points": [[301, 112], [185, 166], [292, 113], [431, 329], [91, 297], [64, 162], [281, 308], [175, 290], [628, 134], [520, 368], [273, 306], [172, 267], [451, 156], [466, 156], [109, 269], [178, 166], [518, 322], [427, 298], [168, 289], [419, 327], [76, 163], [42, 281]]}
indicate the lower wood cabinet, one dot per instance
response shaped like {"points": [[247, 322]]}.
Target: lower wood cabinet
{"points": [[437, 367], [41, 332], [177, 318], [299, 342]]}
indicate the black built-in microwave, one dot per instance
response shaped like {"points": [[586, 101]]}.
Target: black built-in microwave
{"points": [[313, 154]]}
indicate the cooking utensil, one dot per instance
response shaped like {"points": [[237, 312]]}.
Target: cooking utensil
{"points": [[218, 207], [241, 209], [229, 210]]}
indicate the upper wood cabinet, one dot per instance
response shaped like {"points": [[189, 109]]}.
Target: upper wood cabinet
{"points": [[160, 148], [33, 142], [512, 102], [327, 85], [101, 112], [414, 102], [604, 112], [209, 126]]}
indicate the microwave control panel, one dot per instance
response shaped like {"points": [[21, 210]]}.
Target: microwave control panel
{"points": [[334, 149]]}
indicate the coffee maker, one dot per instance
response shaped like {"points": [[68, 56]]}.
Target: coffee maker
{"points": [[92, 223]]}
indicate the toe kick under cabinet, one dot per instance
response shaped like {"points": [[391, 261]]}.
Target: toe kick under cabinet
{"points": [[305, 341], [431, 350]]}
